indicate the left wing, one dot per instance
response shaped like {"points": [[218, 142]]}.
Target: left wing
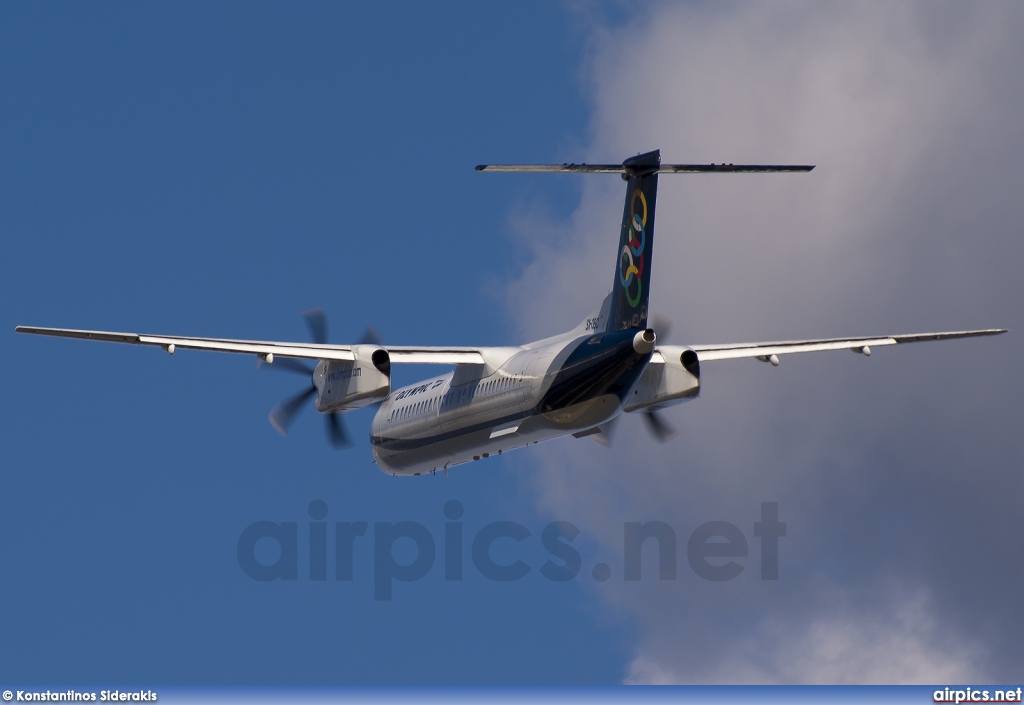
{"points": [[766, 351], [264, 348]]}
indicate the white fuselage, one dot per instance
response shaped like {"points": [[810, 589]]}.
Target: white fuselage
{"points": [[538, 393]]}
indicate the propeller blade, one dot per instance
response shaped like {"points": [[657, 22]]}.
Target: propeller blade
{"points": [[284, 413], [371, 336], [317, 322], [662, 326], [336, 431], [607, 432], [661, 431], [290, 365]]}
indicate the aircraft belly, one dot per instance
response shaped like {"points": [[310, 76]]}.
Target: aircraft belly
{"points": [[452, 438], [477, 439], [446, 450]]}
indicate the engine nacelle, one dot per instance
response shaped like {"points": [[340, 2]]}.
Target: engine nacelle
{"points": [[343, 385], [667, 383]]}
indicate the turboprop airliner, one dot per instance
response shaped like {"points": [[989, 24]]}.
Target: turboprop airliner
{"points": [[497, 399]]}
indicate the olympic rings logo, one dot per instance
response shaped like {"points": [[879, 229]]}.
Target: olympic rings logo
{"points": [[631, 262]]}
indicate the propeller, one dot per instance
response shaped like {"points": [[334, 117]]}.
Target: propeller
{"points": [[282, 415], [659, 428], [316, 319], [662, 326], [604, 437], [655, 422]]}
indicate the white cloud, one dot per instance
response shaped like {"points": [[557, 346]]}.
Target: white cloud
{"points": [[903, 645], [910, 222]]}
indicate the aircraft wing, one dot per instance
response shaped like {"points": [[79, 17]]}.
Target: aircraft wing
{"points": [[311, 351], [765, 351]]}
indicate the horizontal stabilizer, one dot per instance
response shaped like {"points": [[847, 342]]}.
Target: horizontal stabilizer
{"points": [[662, 169]]}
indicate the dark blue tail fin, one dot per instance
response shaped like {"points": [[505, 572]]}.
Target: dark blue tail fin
{"points": [[632, 285]]}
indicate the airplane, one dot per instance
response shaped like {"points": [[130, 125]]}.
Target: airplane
{"points": [[497, 399]]}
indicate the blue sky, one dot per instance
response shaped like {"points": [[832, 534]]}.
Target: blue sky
{"points": [[215, 169]]}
